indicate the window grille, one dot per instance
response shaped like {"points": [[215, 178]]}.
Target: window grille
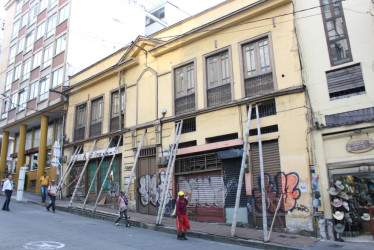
{"points": [[264, 130], [222, 138], [266, 108]]}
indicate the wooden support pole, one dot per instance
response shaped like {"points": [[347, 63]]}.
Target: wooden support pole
{"points": [[264, 218], [97, 170], [82, 173], [107, 174], [167, 174], [135, 162], [171, 169], [68, 168], [276, 212], [242, 168]]}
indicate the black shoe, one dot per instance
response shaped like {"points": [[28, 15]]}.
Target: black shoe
{"points": [[179, 237], [47, 208], [184, 236]]}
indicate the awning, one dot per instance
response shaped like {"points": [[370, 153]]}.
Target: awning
{"points": [[228, 154]]}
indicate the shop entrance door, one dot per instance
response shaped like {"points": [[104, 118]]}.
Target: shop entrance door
{"points": [[146, 187]]}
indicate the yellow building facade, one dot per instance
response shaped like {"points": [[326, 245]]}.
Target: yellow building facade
{"points": [[206, 71]]}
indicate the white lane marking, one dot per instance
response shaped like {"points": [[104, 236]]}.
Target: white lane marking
{"points": [[43, 245]]}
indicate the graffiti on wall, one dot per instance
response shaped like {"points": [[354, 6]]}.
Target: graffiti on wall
{"points": [[283, 184], [206, 191], [113, 190], [148, 190]]}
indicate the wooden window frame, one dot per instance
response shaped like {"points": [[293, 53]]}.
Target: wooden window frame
{"points": [[230, 71], [344, 28], [174, 83]]}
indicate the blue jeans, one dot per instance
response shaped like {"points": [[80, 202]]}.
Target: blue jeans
{"points": [[44, 193], [8, 194], [52, 204]]}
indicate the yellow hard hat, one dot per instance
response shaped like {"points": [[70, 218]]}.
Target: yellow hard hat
{"points": [[180, 193]]}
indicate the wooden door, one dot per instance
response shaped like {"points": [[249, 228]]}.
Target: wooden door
{"points": [[147, 179]]}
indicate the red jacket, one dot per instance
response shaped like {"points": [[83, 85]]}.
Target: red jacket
{"points": [[181, 207]]}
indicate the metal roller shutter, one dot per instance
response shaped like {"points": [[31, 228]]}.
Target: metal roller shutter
{"points": [[271, 159], [231, 171], [207, 199]]}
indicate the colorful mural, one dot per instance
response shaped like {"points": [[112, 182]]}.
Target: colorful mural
{"points": [[283, 184]]}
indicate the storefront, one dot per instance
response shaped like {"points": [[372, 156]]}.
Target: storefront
{"points": [[111, 186], [350, 163], [352, 200], [202, 175]]}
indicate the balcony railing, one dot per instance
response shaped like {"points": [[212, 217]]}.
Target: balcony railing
{"points": [[95, 129], [79, 134], [219, 95], [114, 123], [185, 104], [259, 85]]}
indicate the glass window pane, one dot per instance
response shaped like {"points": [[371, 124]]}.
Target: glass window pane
{"points": [[50, 135], [326, 8], [212, 72], [335, 28], [339, 51], [36, 137], [225, 68]]}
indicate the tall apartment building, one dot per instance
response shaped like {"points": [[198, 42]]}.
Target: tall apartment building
{"points": [[45, 41], [337, 59]]}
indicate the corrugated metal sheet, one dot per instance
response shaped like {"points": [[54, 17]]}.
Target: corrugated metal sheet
{"points": [[231, 171], [208, 195], [351, 117], [345, 79], [271, 160]]}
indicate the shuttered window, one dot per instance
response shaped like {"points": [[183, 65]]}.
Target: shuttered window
{"points": [[345, 82]]}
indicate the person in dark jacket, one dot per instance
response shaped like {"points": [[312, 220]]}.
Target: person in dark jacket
{"points": [[181, 216]]}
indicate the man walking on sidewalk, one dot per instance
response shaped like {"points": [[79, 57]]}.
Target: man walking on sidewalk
{"points": [[44, 181], [122, 203], [7, 191], [52, 192], [182, 219]]}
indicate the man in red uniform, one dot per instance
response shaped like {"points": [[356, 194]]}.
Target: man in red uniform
{"points": [[181, 214]]}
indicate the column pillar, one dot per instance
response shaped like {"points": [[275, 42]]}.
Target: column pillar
{"points": [[42, 156], [4, 153], [21, 150]]}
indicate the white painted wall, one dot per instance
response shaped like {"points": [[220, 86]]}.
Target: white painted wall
{"points": [[315, 57]]}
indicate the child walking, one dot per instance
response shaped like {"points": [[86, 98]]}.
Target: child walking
{"points": [[122, 203]]}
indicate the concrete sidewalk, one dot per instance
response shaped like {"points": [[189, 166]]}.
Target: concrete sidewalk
{"points": [[210, 231]]}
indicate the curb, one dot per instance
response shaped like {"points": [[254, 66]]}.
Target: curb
{"points": [[107, 216]]}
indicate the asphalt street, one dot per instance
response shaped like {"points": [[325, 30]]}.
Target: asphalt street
{"points": [[29, 226]]}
